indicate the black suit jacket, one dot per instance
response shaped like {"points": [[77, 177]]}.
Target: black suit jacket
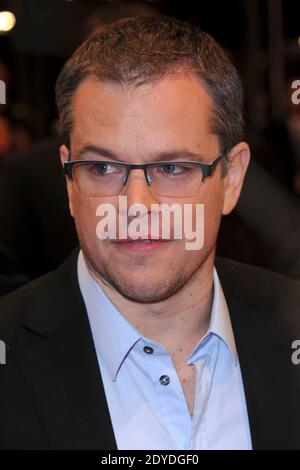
{"points": [[51, 392]]}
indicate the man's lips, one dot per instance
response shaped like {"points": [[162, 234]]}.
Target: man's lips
{"points": [[139, 240], [142, 244]]}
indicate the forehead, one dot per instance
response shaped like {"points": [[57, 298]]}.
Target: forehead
{"points": [[175, 110]]}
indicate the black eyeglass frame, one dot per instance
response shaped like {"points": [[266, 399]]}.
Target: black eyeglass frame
{"points": [[207, 168]]}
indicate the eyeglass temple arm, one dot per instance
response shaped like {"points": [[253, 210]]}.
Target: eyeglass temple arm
{"points": [[209, 169]]}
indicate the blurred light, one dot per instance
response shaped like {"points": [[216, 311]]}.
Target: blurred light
{"points": [[299, 41], [7, 21]]}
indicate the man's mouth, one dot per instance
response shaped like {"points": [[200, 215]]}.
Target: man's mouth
{"points": [[142, 240], [142, 243]]}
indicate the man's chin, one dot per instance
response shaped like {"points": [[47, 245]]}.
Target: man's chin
{"points": [[146, 290], [140, 282]]}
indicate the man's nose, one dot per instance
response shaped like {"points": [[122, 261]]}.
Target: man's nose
{"points": [[137, 190]]}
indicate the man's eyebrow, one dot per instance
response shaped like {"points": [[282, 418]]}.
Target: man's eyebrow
{"points": [[169, 155], [177, 155], [97, 150]]}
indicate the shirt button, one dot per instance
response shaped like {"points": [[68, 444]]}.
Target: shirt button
{"points": [[148, 350], [164, 380]]}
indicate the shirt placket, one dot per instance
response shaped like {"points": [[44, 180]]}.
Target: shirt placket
{"points": [[171, 403], [205, 366]]}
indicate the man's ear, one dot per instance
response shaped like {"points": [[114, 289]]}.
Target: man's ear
{"points": [[239, 158], [63, 158], [64, 152]]}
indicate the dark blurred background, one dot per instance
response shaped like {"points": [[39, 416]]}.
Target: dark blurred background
{"points": [[37, 36]]}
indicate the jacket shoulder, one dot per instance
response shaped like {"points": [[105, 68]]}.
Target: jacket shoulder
{"points": [[261, 289], [46, 298], [15, 305], [254, 278]]}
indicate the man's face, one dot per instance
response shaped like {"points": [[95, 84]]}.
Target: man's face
{"points": [[136, 125]]}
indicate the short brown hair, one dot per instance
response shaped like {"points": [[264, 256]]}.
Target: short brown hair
{"points": [[145, 49]]}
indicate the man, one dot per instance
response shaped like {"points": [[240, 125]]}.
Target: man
{"points": [[139, 342]]}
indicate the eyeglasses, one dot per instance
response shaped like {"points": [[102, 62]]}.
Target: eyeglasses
{"points": [[100, 178]]}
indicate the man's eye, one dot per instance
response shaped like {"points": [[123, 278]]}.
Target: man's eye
{"points": [[172, 169], [103, 168]]}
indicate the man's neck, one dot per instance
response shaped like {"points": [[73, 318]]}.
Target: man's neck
{"points": [[177, 323]]}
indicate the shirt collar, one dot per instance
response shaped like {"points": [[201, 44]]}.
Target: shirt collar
{"points": [[220, 323], [114, 336]]}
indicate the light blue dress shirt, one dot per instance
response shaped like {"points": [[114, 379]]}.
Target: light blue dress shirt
{"points": [[146, 402]]}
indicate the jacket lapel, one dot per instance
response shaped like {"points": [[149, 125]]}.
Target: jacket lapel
{"points": [[60, 367]]}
